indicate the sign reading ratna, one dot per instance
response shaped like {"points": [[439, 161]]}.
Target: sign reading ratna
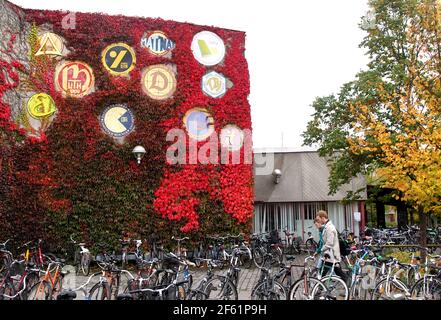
{"points": [[117, 120], [41, 105], [74, 79], [214, 84], [50, 44], [118, 58], [157, 43], [231, 137], [158, 81], [208, 48], [199, 123]]}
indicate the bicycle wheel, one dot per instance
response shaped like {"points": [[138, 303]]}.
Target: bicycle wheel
{"points": [[42, 290], [277, 254], [100, 291], [220, 288], [336, 288], [426, 289], [300, 291], [132, 285], [7, 289], [124, 260], [358, 292], [389, 289], [246, 261], [266, 291], [85, 263], [258, 255], [31, 279]]}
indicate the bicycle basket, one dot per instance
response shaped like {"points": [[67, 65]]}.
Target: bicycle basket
{"points": [[170, 263]]}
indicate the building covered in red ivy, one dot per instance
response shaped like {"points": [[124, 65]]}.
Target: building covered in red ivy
{"points": [[78, 91]]}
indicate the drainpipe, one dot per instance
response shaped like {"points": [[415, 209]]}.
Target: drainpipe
{"points": [[363, 221], [302, 213]]}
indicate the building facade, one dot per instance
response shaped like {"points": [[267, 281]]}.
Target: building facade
{"points": [[289, 195]]}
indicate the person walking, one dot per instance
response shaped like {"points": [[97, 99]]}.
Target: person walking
{"points": [[331, 248], [318, 251]]}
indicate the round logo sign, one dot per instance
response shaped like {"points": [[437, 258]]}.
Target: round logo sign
{"points": [[157, 43], [208, 48], [214, 84], [41, 105], [231, 137], [199, 123], [159, 82], [117, 120], [118, 58], [74, 79], [50, 44]]}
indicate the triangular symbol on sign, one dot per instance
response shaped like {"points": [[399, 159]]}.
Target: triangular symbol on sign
{"points": [[48, 48]]}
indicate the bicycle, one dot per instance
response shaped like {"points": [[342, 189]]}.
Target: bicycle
{"points": [[6, 257], [306, 287], [82, 257], [267, 287], [110, 281], [49, 286], [21, 273], [225, 287], [199, 292]]}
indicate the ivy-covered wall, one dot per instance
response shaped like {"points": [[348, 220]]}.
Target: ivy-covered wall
{"points": [[64, 169]]}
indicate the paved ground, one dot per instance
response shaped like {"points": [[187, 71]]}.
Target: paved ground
{"points": [[247, 279]]}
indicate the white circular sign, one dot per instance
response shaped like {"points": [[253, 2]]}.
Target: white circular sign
{"points": [[231, 137], [208, 48], [214, 84]]}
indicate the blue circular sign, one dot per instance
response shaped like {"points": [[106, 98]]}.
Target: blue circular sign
{"points": [[117, 120]]}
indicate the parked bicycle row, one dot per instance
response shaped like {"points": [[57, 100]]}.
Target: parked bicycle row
{"points": [[161, 274]]}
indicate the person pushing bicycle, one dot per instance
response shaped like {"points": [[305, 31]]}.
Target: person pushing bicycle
{"points": [[330, 248]]}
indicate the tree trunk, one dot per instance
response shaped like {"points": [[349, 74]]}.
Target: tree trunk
{"points": [[423, 232]]}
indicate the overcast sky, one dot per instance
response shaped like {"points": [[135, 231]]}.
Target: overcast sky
{"points": [[296, 50]]}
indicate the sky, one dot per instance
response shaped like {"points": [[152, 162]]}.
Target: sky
{"points": [[296, 50]]}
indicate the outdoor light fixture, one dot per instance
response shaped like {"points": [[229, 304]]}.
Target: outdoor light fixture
{"points": [[277, 174], [138, 152]]}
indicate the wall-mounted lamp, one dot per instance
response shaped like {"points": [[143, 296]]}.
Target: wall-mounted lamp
{"points": [[138, 152], [277, 175]]}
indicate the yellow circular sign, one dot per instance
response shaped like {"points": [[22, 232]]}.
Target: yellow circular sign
{"points": [[118, 58], [41, 105], [158, 82]]}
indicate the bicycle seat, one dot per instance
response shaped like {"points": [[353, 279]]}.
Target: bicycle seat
{"points": [[67, 295], [124, 296]]}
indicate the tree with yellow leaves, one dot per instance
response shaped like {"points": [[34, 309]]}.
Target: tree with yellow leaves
{"points": [[388, 120]]}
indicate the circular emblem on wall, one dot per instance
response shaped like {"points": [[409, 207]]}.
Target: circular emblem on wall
{"points": [[118, 58], [231, 137], [74, 78], [199, 123], [117, 120], [214, 84], [157, 43], [41, 105], [50, 44], [208, 48], [158, 82]]}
